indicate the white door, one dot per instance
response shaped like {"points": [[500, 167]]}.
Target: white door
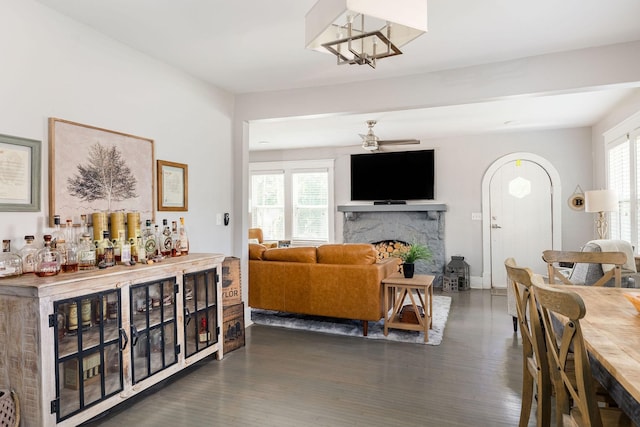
{"points": [[521, 212]]}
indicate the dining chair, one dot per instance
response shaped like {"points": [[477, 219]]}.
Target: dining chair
{"points": [[555, 258], [575, 388], [535, 366]]}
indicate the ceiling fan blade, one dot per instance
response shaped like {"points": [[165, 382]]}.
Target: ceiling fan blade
{"points": [[398, 141]]}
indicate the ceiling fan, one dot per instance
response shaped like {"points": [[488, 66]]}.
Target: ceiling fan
{"points": [[371, 142]]}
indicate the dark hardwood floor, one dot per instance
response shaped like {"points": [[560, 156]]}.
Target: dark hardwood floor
{"points": [[294, 378]]}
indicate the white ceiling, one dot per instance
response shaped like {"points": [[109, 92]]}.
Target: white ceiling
{"points": [[248, 46]]}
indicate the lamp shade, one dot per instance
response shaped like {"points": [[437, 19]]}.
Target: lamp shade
{"points": [[408, 17], [600, 201]]}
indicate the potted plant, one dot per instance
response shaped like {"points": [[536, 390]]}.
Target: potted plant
{"points": [[411, 254]]}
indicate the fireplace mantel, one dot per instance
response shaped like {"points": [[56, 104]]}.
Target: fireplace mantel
{"points": [[349, 210], [409, 207]]}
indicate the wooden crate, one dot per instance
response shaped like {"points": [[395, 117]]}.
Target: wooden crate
{"points": [[231, 290], [233, 327]]}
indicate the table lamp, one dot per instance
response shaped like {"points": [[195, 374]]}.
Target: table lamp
{"points": [[601, 201]]}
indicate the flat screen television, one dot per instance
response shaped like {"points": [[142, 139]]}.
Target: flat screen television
{"points": [[393, 177]]}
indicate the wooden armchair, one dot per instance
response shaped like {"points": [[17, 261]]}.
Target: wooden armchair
{"points": [[616, 259]]}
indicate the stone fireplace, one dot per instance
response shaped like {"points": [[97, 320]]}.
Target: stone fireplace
{"points": [[423, 223]]}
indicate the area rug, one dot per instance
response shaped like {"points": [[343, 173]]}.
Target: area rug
{"points": [[441, 305]]}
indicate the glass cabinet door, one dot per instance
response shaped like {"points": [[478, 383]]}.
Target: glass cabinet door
{"points": [[153, 328], [200, 309], [88, 351]]}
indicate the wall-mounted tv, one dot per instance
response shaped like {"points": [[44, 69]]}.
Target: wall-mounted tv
{"points": [[393, 177]]}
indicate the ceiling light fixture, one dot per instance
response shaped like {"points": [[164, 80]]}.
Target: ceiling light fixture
{"points": [[363, 31], [370, 140]]}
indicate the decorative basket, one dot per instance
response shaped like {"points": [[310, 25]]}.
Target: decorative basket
{"points": [[9, 409]]}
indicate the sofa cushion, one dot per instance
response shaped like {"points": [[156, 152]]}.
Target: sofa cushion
{"points": [[256, 250], [349, 253], [301, 254]]}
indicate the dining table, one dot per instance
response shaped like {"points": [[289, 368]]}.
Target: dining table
{"points": [[611, 330]]}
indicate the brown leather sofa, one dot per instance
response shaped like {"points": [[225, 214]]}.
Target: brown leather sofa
{"points": [[336, 280]]}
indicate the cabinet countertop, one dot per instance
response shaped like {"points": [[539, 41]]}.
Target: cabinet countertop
{"points": [[30, 285]]}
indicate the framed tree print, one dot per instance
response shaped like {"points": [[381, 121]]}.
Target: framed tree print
{"points": [[98, 170], [173, 184]]}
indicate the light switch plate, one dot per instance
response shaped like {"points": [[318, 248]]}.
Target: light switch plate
{"points": [[476, 216]]}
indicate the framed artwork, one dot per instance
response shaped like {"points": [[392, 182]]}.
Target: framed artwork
{"points": [[173, 185], [98, 170], [19, 174]]}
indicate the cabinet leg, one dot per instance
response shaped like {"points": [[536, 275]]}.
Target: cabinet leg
{"points": [[365, 328]]}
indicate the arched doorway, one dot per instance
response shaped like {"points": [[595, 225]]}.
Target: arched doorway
{"points": [[521, 215]]}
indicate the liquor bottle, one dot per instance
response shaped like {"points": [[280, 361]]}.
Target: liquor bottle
{"points": [[175, 240], [10, 263], [69, 252], [149, 240], [87, 253], [70, 232], [117, 246], [28, 254], [203, 333], [104, 251], [165, 249], [61, 247], [142, 252], [72, 318], [125, 252], [159, 243], [84, 228], [57, 232], [184, 238], [133, 244], [47, 259]]}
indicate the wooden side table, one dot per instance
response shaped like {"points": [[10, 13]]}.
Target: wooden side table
{"points": [[420, 291]]}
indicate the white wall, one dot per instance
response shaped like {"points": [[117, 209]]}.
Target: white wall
{"points": [[460, 166], [52, 66]]}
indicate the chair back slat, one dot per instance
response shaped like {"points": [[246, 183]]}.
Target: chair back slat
{"points": [[616, 259]]}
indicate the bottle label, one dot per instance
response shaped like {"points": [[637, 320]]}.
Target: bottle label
{"points": [[150, 247], [109, 257], [28, 264], [88, 257], [125, 254], [72, 323], [167, 243]]}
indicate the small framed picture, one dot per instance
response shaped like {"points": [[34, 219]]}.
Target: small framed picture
{"points": [[19, 174], [284, 243], [173, 185]]}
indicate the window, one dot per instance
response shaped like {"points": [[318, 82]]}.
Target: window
{"points": [[623, 164], [293, 200]]}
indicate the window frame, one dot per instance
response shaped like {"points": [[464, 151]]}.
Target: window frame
{"points": [[288, 168], [626, 131]]}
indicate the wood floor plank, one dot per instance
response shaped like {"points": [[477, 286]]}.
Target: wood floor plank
{"points": [[295, 378]]}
